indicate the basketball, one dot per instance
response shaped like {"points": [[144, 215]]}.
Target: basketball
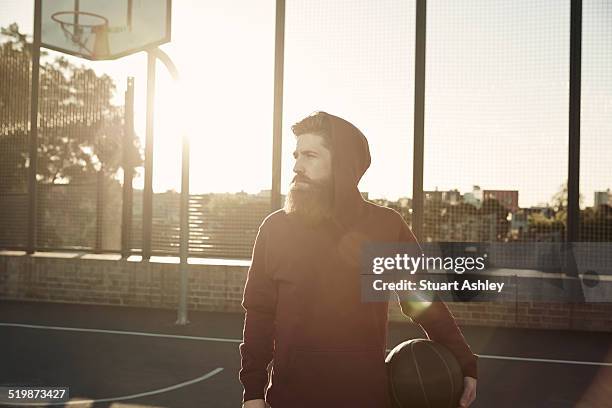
{"points": [[423, 374]]}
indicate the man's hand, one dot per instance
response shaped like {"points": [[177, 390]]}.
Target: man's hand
{"points": [[469, 392], [258, 403]]}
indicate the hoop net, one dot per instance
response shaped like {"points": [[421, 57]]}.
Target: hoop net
{"points": [[79, 26]]}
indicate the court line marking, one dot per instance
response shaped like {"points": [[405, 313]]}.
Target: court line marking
{"points": [[540, 360], [124, 332], [124, 397], [545, 360], [227, 340]]}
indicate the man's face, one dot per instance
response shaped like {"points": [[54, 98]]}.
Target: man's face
{"points": [[313, 162]]}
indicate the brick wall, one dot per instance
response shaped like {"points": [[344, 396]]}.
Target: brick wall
{"points": [[218, 286]]}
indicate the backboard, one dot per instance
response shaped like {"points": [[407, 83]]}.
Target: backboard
{"points": [[104, 29]]}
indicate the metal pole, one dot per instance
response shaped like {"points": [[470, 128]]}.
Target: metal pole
{"points": [[99, 210], [184, 247], [573, 177], [277, 128], [156, 53], [147, 200], [184, 206], [33, 151], [128, 170], [419, 119]]}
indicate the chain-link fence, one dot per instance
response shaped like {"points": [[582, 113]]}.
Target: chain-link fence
{"points": [[79, 155], [517, 149]]}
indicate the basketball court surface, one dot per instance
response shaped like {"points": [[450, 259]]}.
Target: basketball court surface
{"points": [[120, 357]]}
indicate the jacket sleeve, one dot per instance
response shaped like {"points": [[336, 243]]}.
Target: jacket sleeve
{"points": [[259, 303], [438, 322]]}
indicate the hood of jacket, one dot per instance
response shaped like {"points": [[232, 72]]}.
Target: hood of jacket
{"points": [[350, 160]]}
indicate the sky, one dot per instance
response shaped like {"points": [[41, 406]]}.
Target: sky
{"points": [[497, 91]]}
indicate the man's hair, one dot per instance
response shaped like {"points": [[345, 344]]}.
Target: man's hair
{"points": [[316, 123]]}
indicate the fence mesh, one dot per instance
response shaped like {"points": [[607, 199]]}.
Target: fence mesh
{"points": [[496, 130], [14, 123], [79, 154], [596, 122]]}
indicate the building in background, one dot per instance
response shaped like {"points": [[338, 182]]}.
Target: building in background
{"points": [[474, 198], [602, 198], [507, 198], [452, 197]]}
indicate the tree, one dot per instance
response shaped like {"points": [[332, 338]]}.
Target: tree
{"points": [[80, 139], [559, 203], [80, 131]]}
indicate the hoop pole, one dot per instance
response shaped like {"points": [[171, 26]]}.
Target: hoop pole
{"points": [[167, 61], [184, 204], [184, 234]]}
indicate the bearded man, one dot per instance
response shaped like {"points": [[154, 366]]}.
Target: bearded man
{"points": [[302, 297]]}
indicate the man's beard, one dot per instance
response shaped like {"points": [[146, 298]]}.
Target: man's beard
{"points": [[313, 204]]}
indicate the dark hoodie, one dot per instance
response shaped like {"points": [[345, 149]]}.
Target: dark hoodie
{"points": [[303, 300]]}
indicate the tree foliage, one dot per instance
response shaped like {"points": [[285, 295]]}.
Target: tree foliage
{"points": [[80, 130]]}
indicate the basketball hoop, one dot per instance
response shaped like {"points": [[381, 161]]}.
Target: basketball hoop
{"points": [[103, 29], [80, 26]]}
